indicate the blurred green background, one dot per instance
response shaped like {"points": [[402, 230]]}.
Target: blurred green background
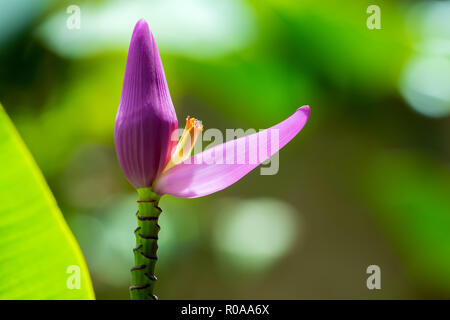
{"points": [[367, 181]]}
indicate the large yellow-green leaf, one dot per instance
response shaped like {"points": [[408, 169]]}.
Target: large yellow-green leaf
{"points": [[39, 257]]}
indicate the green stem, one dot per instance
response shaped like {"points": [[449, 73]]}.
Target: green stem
{"points": [[142, 274]]}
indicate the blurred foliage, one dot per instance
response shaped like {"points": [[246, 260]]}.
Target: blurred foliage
{"points": [[37, 248], [354, 180], [414, 209]]}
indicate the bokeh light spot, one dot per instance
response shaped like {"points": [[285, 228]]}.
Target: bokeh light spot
{"points": [[253, 234], [425, 85], [200, 28]]}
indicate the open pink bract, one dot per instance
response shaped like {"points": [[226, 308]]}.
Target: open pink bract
{"points": [[208, 172]]}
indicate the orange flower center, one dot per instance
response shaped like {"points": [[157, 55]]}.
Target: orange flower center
{"points": [[186, 143]]}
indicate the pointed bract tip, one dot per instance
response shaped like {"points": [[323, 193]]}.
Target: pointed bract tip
{"points": [[142, 32], [141, 24], [306, 110]]}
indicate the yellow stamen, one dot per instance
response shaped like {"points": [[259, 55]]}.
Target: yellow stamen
{"points": [[186, 143]]}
